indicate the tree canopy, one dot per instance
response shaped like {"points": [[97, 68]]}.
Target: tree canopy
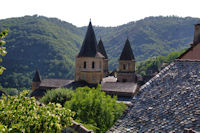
{"points": [[2, 48]]}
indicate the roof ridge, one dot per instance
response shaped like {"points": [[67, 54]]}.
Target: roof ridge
{"points": [[157, 75]]}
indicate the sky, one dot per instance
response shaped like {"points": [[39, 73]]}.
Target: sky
{"points": [[101, 12]]}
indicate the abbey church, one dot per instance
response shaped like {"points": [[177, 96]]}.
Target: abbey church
{"points": [[92, 61], [92, 69]]}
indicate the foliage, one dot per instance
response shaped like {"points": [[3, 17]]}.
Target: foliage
{"points": [[94, 107], [57, 96], [2, 48], [154, 64], [37, 42], [11, 91], [23, 114]]}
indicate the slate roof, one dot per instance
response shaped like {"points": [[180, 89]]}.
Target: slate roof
{"points": [[169, 102], [38, 92], [37, 77], [54, 83], [101, 49], [89, 46], [127, 53], [119, 88]]}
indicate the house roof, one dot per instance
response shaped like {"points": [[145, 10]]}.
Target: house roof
{"points": [[127, 53], [37, 77], [89, 46], [119, 88], [38, 92], [54, 83], [169, 102], [101, 49]]}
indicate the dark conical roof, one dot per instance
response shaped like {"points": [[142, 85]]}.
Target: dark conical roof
{"points": [[89, 46], [101, 49], [37, 77], [127, 53]]}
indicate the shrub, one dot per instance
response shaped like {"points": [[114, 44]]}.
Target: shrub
{"points": [[94, 107], [11, 91], [57, 96], [23, 114]]}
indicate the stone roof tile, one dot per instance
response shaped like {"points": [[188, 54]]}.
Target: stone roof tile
{"points": [[170, 102], [127, 53], [101, 49]]}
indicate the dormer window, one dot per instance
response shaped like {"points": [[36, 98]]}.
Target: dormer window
{"points": [[93, 65], [84, 65]]}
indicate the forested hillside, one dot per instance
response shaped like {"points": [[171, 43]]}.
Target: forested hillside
{"points": [[50, 45]]}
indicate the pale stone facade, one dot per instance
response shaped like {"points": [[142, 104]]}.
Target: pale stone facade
{"points": [[126, 71], [90, 69], [126, 65]]}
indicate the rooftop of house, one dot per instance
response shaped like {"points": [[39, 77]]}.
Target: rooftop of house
{"points": [[169, 102], [54, 83], [111, 86], [38, 93]]}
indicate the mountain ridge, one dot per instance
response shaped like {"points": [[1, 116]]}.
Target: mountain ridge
{"points": [[50, 45]]}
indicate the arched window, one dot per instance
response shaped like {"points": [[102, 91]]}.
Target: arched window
{"points": [[84, 65], [93, 65], [125, 66]]}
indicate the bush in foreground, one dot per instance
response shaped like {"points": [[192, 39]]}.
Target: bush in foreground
{"points": [[94, 108], [57, 96], [23, 114]]}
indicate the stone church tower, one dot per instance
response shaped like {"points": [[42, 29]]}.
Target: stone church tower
{"points": [[101, 49], [36, 80], [126, 71], [91, 62]]}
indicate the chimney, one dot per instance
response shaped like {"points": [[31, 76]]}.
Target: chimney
{"points": [[196, 34]]}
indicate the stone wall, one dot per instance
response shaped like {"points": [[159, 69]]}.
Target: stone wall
{"points": [[88, 72]]}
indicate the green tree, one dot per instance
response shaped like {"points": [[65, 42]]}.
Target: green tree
{"points": [[24, 114], [2, 48], [94, 107], [57, 96]]}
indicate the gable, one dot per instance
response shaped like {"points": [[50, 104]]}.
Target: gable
{"points": [[193, 53]]}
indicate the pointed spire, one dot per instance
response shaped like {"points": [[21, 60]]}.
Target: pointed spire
{"points": [[37, 77], [101, 49], [127, 53], [89, 46]]}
